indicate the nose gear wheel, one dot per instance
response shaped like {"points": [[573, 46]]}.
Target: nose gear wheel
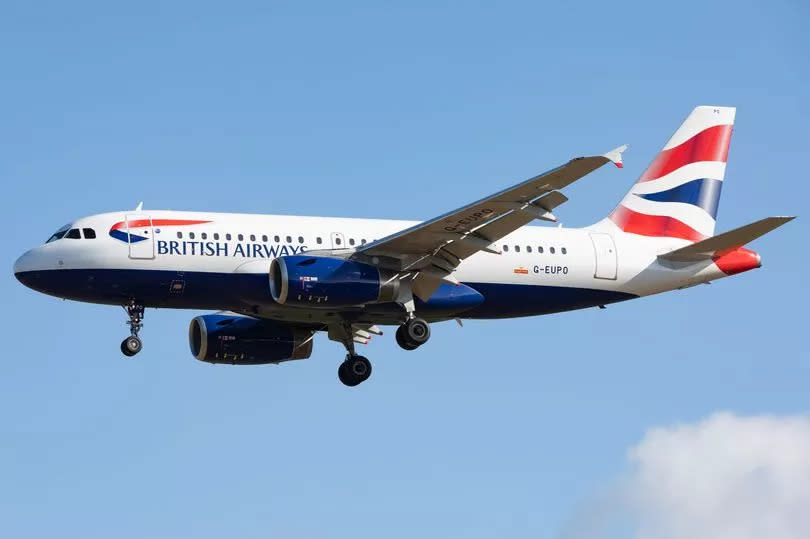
{"points": [[133, 344]]}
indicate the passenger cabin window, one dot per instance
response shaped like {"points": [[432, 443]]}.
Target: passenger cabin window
{"points": [[318, 240], [337, 241], [517, 248], [300, 239], [74, 234], [540, 250], [89, 233], [276, 239], [351, 241], [253, 237], [528, 248], [264, 238], [216, 236], [564, 251], [551, 250], [505, 248], [289, 239], [228, 237], [191, 235], [179, 235], [362, 242], [204, 235], [241, 237]]}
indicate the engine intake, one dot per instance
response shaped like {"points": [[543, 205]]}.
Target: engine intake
{"points": [[324, 282], [242, 340]]}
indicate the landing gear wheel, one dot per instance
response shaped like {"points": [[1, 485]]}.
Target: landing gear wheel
{"points": [[131, 346], [413, 333], [402, 339], [355, 370]]}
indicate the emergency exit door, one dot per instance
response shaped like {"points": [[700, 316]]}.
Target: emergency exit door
{"points": [[605, 254]]}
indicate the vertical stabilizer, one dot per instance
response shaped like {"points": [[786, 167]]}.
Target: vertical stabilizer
{"points": [[678, 195]]}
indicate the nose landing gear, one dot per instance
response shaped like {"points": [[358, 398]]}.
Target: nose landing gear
{"points": [[132, 344]]}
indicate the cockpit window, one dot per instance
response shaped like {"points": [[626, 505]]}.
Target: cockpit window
{"points": [[59, 234], [89, 233], [73, 234]]}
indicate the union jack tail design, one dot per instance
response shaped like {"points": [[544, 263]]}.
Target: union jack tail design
{"points": [[677, 196]]}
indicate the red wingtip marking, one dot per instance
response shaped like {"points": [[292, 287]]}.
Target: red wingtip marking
{"points": [[618, 164]]}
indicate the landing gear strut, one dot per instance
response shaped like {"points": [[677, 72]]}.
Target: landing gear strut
{"points": [[355, 369], [413, 334], [132, 344]]}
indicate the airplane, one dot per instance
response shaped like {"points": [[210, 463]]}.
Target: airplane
{"points": [[275, 281]]}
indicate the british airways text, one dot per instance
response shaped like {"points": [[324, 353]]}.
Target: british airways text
{"points": [[216, 248]]}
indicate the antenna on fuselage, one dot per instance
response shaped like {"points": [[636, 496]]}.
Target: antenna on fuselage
{"points": [[139, 207]]}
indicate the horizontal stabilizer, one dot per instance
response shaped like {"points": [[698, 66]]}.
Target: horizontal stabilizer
{"points": [[727, 241]]}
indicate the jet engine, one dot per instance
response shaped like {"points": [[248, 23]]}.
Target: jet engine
{"points": [[242, 340], [325, 282]]}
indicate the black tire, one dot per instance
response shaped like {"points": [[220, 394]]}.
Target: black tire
{"points": [[353, 371], [402, 341], [417, 331], [131, 346], [345, 376]]}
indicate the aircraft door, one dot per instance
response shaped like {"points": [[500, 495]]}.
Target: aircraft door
{"points": [[141, 236], [338, 242], [605, 254]]}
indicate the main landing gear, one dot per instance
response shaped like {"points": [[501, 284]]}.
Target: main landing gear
{"points": [[354, 370], [413, 334], [132, 344]]}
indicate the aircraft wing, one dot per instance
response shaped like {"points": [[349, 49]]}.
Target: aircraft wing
{"points": [[434, 248]]}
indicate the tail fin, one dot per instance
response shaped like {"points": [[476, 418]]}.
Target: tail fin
{"points": [[677, 196]]}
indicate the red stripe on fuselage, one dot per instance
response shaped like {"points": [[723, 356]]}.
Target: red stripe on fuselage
{"points": [[709, 145], [653, 225], [156, 222]]}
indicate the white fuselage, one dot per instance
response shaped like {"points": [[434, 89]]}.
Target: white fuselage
{"points": [[221, 261]]}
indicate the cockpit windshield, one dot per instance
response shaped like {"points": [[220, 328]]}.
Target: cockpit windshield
{"points": [[59, 234]]}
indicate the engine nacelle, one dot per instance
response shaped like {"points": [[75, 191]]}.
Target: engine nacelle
{"points": [[324, 282], [242, 340]]}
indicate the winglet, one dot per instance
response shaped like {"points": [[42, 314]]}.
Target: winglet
{"points": [[139, 207], [615, 155]]}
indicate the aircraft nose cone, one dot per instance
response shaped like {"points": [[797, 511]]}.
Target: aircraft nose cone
{"points": [[22, 263], [24, 269]]}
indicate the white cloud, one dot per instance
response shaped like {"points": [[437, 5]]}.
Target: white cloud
{"points": [[721, 478]]}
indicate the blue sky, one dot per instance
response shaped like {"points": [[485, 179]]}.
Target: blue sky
{"points": [[500, 428]]}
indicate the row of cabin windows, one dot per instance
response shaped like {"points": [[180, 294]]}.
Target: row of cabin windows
{"points": [[338, 241], [264, 238], [540, 250]]}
